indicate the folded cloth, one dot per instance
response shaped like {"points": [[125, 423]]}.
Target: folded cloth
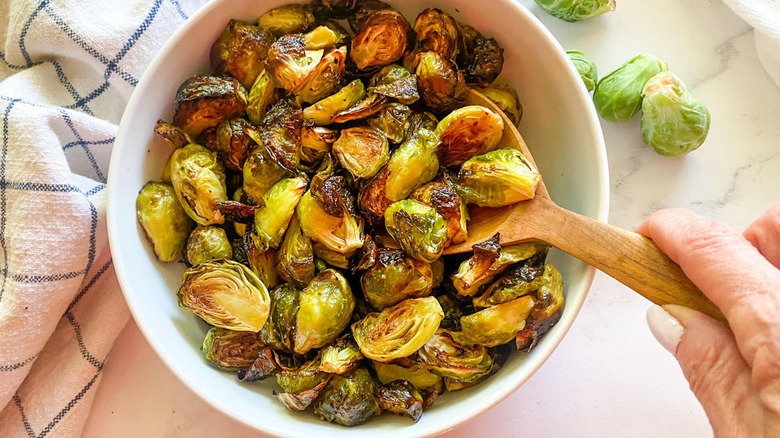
{"points": [[67, 69], [764, 16]]}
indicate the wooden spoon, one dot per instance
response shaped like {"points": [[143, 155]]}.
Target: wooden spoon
{"points": [[628, 257]]}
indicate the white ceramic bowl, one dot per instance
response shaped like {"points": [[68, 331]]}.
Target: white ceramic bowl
{"points": [[559, 125]]}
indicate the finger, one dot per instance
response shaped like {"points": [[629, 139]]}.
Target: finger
{"points": [[764, 234]]}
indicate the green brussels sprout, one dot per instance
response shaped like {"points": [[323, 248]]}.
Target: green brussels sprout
{"points": [[325, 77], [497, 324], [418, 228], [292, 18], [263, 263], [232, 143], [240, 50], [449, 355], [321, 112], [402, 398], [362, 10], [337, 9], [265, 365], [164, 221], [207, 243], [505, 98], [279, 203], [280, 132], [372, 104], [301, 385], [349, 399], [442, 195], [361, 151], [392, 121], [327, 215], [340, 357], [204, 101], [585, 67], [296, 256], [437, 32], [289, 63], [239, 227], [198, 178], [453, 310], [466, 132], [547, 309], [261, 95], [398, 331], [618, 95], [395, 277], [173, 135], [302, 400], [229, 349], [498, 178], [440, 83], [316, 142], [673, 122], [278, 331], [522, 279], [225, 294], [261, 172], [382, 39], [481, 59], [396, 82], [326, 306], [331, 258], [576, 10], [412, 371], [325, 36]]}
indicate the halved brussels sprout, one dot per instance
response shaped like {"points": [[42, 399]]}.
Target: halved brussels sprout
{"points": [[325, 37], [395, 277], [372, 104], [263, 263], [418, 228], [576, 10], [442, 195], [585, 67], [618, 95], [498, 178], [327, 215], [164, 221], [261, 172], [207, 243], [382, 39], [225, 294], [340, 357], [466, 132], [325, 77], [505, 98], [198, 178], [523, 279], [497, 324], [547, 309], [448, 354], [316, 142], [278, 331], [272, 219], [261, 95], [412, 371], [302, 400], [321, 113], [296, 256], [265, 365], [437, 32], [361, 151], [280, 132], [396, 82], [326, 306], [204, 101], [303, 378], [229, 349], [349, 399], [402, 398], [173, 135], [289, 63], [327, 257], [240, 51], [233, 143], [398, 331], [440, 83], [392, 121], [291, 18]]}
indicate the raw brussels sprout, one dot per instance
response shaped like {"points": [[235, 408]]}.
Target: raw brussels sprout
{"points": [[296, 256], [292, 18], [340, 357], [418, 228], [240, 51], [263, 263], [398, 331], [198, 178], [498, 178], [402, 398], [349, 399], [505, 98], [396, 82], [585, 67], [382, 39], [327, 215], [261, 172], [164, 221], [361, 151], [437, 32], [466, 132], [497, 324], [522, 279], [321, 112], [673, 122], [289, 63], [280, 132], [481, 59], [618, 95], [229, 349], [172, 135], [442, 195], [279, 330], [207, 243], [412, 371], [547, 309], [372, 104], [576, 10], [326, 306], [279, 203], [325, 77], [316, 142], [204, 101], [232, 143], [449, 355], [225, 294], [261, 95], [392, 121], [302, 400], [440, 83], [395, 277]]}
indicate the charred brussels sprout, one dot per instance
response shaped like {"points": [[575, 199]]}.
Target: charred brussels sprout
{"points": [[505, 98], [263, 263], [172, 135], [260, 173], [292, 18], [296, 256], [412, 371], [204, 101], [585, 67], [225, 294], [396, 82], [440, 83], [279, 330], [398, 331], [437, 32], [498, 178], [618, 95], [449, 355], [497, 324], [365, 9], [301, 385], [349, 399], [361, 151], [419, 230], [240, 51], [522, 279], [232, 143], [442, 195], [576, 10], [280, 132], [546, 311], [261, 95], [163, 220], [466, 132], [326, 306], [325, 77], [336, 9], [392, 121], [402, 398], [231, 350], [340, 357], [673, 122], [482, 59], [198, 178], [372, 104], [272, 219], [289, 63], [302, 400], [382, 39], [316, 143], [321, 113], [395, 277], [207, 243], [327, 215]]}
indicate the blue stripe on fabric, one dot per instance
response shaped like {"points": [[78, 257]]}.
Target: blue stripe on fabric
{"points": [[88, 143], [180, 10], [3, 160], [87, 151], [24, 278], [91, 283], [68, 86], [26, 29], [25, 421]]}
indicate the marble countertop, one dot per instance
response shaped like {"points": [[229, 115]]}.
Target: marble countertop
{"points": [[609, 377]]}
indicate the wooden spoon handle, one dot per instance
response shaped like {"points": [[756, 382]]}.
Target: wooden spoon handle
{"points": [[628, 257]]}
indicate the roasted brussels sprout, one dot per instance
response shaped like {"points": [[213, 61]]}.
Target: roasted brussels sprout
{"points": [[349, 399], [372, 104], [301, 385], [440, 83], [240, 51], [261, 95], [316, 142], [547, 309], [498, 178], [292, 18], [198, 178], [482, 59], [172, 135], [225, 294], [265, 365], [585, 67], [239, 227], [382, 39], [396, 82], [363, 10], [449, 355], [325, 77], [321, 113], [302, 400], [263, 263], [437, 32], [261, 172], [280, 132], [272, 219], [325, 36], [673, 122], [618, 95], [326, 306], [505, 98], [232, 143], [164, 221], [402, 398], [395, 277], [336, 9], [207, 243], [296, 256], [328, 257], [289, 63], [576, 10], [392, 121], [497, 324], [522, 279], [327, 215], [279, 330], [412, 371], [442, 195], [229, 349], [398, 331], [418, 228], [340, 357], [466, 132], [204, 101], [361, 151]]}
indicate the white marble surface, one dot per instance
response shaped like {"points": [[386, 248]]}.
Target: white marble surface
{"points": [[609, 378]]}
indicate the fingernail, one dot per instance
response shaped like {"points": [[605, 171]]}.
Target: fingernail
{"points": [[666, 328]]}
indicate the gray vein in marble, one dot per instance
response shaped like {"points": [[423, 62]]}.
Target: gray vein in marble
{"points": [[711, 207], [726, 51]]}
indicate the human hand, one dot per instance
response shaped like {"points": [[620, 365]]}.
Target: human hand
{"points": [[735, 374]]}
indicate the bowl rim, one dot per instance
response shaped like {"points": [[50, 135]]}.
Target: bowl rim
{"points": [[114, 234]]}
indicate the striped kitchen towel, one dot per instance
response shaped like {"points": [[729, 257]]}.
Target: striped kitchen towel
{"points": [[67, 69]]}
